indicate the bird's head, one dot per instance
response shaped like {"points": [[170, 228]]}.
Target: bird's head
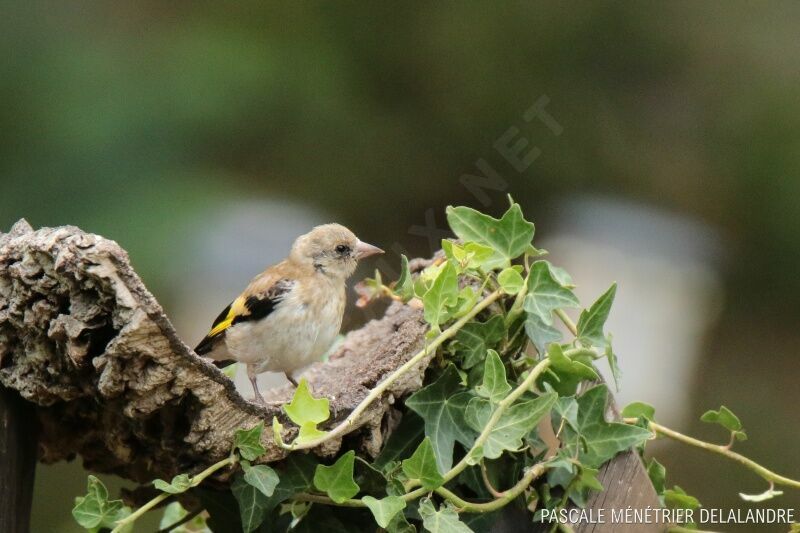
{"points": [[331, 249]]}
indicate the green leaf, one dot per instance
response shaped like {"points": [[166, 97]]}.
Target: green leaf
{"points": [[595, 441], [467, 255], [587, 479], [297, 475], [494, 386], [442, 294], [566, 407], [422, 466], [404, 286], [441, 405], [569, 372], [174, 512], [403, 440], [179, 483], [509, 237], [400, 524], [261, 477], [540, 333], [724, 417], [337, 480], [253, 505], [613, 364], [384, 509], [592, 320], [95, 510], [639, 410], [658, 475], [308, 432], [445, 520], [546, 294], [514, 424], [676, 498], [304, 408], [510, 281], [474, 338], [248, 442]]}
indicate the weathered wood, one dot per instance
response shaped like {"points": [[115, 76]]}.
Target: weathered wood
{"points": [[83, 340], [17, 461]]}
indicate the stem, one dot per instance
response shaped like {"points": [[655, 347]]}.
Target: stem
{"points": [[508, 495], [764, 473], [488, 484], [375, 393], [560, 313], [196, 480], [504, 404], [470, 507]]}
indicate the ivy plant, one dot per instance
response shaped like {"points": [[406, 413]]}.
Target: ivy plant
{"points": [[472, 439]]}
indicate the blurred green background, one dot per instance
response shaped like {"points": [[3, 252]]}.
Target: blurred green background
{"points": [[150, 122]]}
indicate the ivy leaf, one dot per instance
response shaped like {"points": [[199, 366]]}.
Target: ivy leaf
{"points": [[441, 405], [657, 474], [261, 477], [566, 407], [95, 510], [174, 512], [384, 509], [442, 294], [404, 286], [308, 432], [248, 442], [639, 410], [725, 418], [592, 320], [305, 409], [540, 333], [467, 255], [764, 496], [514, 424], [546, 294], [253, 505], [400, 524], [296, 476], [494, 386], [337, 480], [422, 466], [402, 442], [510, 280], [568, 372], [509, 237], [445, 520], [474, 338], [179, 483], [595, 441], [613, 364], [676, 498]]}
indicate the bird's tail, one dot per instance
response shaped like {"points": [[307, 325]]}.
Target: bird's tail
{"points": [[223, 364]]}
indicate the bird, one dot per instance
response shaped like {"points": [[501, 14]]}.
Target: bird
{"points": [[289, 315]]}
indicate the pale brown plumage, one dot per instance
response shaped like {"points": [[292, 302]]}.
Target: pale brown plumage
{"points": [[290, 314]]}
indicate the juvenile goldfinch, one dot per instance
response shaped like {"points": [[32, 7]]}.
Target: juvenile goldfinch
{"points": [[290, 314]]}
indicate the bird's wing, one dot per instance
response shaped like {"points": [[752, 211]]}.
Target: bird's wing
{"points": [[255, 303]]}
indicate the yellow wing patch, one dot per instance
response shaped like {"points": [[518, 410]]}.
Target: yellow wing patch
{"points": [[236, 309]]}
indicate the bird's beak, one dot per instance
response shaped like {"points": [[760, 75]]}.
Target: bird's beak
{"points": [[365, 250]]}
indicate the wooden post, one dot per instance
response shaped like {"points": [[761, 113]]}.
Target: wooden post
{"points": [[17, 461]]}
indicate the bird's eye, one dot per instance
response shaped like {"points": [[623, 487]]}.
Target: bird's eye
{"points": [[343, 249]]}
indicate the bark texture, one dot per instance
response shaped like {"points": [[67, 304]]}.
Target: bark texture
{"points": [[83, 340]]}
